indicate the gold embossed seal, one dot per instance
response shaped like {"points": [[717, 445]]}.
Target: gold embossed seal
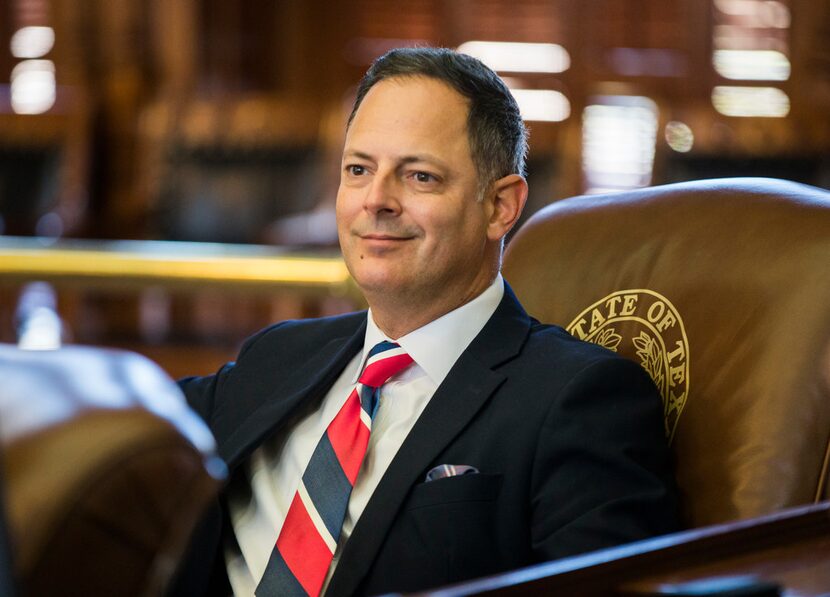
{"points": [[643, 324]]}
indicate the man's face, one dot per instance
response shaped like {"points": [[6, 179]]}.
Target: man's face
{"points": [[407, 215]]}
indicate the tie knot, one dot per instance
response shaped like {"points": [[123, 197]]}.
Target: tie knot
{"points": [[385, 360]]}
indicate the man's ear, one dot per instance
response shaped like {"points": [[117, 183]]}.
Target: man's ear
{"points": [[508, 196]]}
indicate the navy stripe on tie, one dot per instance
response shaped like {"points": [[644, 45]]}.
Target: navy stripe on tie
{"points": [[278, 579], [326, 484], [369, 400], [382, 347]]}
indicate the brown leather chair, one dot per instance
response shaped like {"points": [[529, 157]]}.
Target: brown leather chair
{"points": [[721, 290], [105, 471]]}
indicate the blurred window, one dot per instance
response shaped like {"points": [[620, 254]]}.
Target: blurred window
{"points": [[33, 87], [751, 42], [619, 133]]}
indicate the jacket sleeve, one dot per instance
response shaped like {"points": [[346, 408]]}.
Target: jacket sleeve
{"points": [[202, 570], [602, 474]]}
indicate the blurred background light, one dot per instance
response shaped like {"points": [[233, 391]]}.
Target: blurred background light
{"points": [[757, 65], [619, 134], [32, 42], [515, 57], [764, 102], [654, 62], [542, 105], [757, 13], [33, 87], [679, 136], [49, 226]]}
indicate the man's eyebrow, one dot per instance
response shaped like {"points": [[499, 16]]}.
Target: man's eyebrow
{"points": [[402, 161], [351, 153], [424, 157]]}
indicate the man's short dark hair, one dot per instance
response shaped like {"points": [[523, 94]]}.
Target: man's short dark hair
{"points": [[496, 131]]}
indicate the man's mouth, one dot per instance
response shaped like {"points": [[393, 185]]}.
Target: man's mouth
{"points": [[383, 237]]}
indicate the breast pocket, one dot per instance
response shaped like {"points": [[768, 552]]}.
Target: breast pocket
{"points": [[478, 487], [447, 530]]}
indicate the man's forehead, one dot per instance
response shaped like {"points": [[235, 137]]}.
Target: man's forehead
{"points": [[411, 119], [435, 93]]}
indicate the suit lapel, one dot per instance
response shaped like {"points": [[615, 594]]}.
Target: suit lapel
{"points": [[288, 399], [472, 381]]}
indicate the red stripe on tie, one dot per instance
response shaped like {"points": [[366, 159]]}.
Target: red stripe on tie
{"points": [[303, 550], [349, 437], [378, 372]]}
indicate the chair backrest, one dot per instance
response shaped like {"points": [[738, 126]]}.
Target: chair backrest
{"points": [[721, 290], [106, 471]]}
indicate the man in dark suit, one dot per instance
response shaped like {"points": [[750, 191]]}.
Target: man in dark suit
{"points": [[502, 443]]}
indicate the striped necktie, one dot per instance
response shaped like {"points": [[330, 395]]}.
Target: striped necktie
{"points": [[302, 555]]}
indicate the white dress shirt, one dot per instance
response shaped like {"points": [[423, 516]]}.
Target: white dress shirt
{"points": [[274, 470]]}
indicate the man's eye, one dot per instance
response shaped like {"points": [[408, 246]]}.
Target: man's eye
{"points": [[355, 170], [424, 177]]}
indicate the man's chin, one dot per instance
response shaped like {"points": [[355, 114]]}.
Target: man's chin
{"points": [[381, 283]]}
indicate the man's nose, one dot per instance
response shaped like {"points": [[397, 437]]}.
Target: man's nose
{"points": [[383, 194]]}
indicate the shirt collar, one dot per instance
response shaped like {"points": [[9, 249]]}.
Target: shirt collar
{"points": [[436, 346]]}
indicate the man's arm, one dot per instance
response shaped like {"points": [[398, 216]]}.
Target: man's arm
{"points": [[200, 392], [603, 473]]}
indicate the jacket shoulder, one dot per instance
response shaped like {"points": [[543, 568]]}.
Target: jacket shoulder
{"points": [[547, 341], [297, 333]]}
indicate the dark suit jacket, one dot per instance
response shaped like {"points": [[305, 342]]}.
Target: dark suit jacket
{"points": [[568, 439]]}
